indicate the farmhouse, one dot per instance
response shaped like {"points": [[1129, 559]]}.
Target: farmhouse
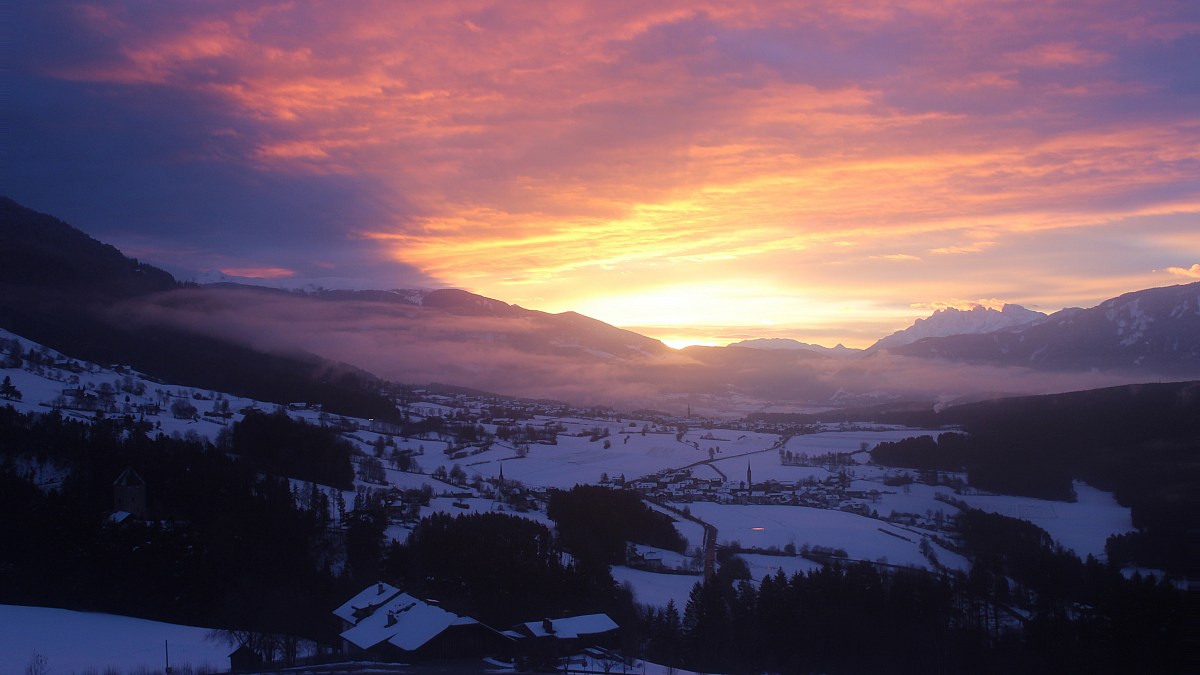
{"points": [[544, 642], [385, 624]]}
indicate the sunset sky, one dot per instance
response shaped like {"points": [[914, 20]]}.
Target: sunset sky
{"points": [[699, 172]]}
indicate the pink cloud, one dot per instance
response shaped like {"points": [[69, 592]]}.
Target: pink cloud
{"points": [[519, 149], [259, 272], [1058, 54]]}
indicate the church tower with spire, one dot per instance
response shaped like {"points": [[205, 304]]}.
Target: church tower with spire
{"points": [[129, 494]]}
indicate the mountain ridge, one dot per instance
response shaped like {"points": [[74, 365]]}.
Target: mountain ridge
{"points": [[953, 321], [1154, 330], [780, 344], [131, 312], [67, 290]]}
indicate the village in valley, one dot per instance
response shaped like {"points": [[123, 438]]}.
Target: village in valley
{"points": [[781, 498]]}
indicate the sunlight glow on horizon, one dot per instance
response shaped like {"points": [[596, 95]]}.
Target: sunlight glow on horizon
{"points": [[766, 169]]}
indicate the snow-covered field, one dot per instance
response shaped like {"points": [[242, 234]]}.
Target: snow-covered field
{"points": [[692, 531], [578, 460], [849, 441], [653, 588], [1082, 526], [762, 565], [79, 642], [755, 526]]}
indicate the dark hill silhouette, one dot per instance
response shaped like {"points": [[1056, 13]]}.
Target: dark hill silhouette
{"points": [[47, 255], [58, 286]]}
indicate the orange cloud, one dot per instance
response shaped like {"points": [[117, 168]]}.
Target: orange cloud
{"points": [[563, 151], [976, 247], [989, 303], [1192, 272]]}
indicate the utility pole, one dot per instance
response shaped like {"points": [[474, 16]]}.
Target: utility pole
{"points": [[167, 656]]}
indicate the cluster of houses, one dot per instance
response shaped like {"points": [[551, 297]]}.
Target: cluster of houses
{"points": [[383, 623], [831, 493]]}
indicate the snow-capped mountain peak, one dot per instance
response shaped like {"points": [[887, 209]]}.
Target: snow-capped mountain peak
{"points": [[952, 321]]}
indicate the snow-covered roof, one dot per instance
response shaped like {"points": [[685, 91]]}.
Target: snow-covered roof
{"points": [[403, 621], [573, 626], [372, 596]]}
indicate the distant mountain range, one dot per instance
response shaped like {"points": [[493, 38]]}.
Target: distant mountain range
{"points": [[952, 321], [62, 288], [943, 323], [1154, 331], [774, 344]]}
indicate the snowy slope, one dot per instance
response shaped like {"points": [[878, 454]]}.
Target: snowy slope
{"points": [[80, 641]]}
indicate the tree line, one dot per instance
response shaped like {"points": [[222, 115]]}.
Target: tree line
{"points": [[1024, 606], [224, 545], [1140, 442], [500, 569], [596, 522]]}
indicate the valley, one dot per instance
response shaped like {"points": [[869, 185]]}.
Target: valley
{"points": [[781, 497], [988, 486]]}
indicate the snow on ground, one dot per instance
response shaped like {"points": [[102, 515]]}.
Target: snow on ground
{"points": [[653, 588], [451, 506], [912, 498], [76, 641], [730, 441], [692, 531], [850, 441], [669, 558], [766, 466], [764, 526], [578, 460], [762, 565], [706, 472], [594, 664], [480, 505], [414, 481], [1082, 526], [39, 392], [423, 446]]}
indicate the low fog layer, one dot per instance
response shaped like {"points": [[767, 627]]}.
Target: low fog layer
{"points": [[532, 354]]}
